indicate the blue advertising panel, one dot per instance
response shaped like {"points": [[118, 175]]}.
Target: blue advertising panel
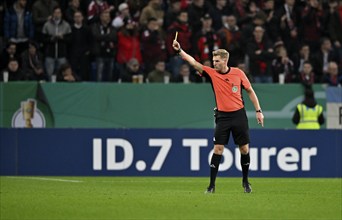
{"points": [[166, 152]]}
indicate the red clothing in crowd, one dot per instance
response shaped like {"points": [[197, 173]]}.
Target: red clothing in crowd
{"points": [[312, 24], [95, 9], [128, 47], [184, 36], [206, 44], [153, 45]]}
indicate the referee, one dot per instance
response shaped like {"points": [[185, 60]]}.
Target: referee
{"points": [[230, 114]]}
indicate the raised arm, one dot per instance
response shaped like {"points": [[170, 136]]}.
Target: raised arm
{"points": [[198, 66], [253, 97]]}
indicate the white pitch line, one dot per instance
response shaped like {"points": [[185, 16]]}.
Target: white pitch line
{"points": [[46, 179], [223, 181]]}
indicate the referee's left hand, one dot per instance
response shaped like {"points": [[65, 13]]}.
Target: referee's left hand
{"points": [[260, 118], [176, 46]]}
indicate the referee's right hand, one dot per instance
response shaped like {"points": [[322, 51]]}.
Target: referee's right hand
{"points": [[260, 118]]}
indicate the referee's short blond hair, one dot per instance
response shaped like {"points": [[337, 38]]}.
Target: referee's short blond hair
{"points": [[222, 53]]}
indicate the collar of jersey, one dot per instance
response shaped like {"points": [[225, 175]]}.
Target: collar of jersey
{"points": [[226, 72]]}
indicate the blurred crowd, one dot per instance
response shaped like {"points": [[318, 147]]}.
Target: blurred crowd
{"points": [[273, 41]]}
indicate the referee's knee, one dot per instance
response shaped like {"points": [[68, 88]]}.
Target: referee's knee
{"points": [[218, 149], [244, 149]]}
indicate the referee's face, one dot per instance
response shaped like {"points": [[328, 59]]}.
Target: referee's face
{"points": [[220, 64]]}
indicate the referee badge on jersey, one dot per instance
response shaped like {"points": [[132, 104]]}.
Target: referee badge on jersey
{"points": [[235, 89]]}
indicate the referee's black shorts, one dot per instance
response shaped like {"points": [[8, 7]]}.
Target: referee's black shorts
{"points": [[235, 122]]}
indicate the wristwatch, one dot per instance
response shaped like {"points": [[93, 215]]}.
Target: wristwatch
{"points": [[259, 111]]}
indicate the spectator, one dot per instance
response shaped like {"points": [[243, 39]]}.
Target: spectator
{"points": [[197, 10], [10, 52], [204, 78], [310, 20], [123, 13], [308, 114], [56, 34], [172, 13], [332, 77], [333, 21], [245, 11], [206, 40], [41, 13], [80, 45], [307, 76], [104, 47], [184, 75], [219, 10], [18, 25], [135, 7], [312, 24], [152, 10], [282, 66], [74, 5], [32, 63], [128, 43], [95, 9], [181, 26], [239, 10], [260, 53], [132, 71], [14, 71], [152, 40], [301, 57], [65, 74], [231, 38], [322, 57], [271, 21], [258, 19], [287, 21], [159, 74], [243, 66]]}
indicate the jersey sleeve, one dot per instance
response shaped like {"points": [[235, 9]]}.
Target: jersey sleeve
{"points": [[245, 82], [208, 70]]}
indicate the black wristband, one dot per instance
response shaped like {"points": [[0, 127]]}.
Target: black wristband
{"points": [[178, 51], [259, 111]]}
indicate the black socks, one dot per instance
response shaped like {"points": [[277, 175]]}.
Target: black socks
{"points": [[215, 162], [245, 160], [214, 166]]}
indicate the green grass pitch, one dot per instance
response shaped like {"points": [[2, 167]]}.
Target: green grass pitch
{"points": [[168, 198]]}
